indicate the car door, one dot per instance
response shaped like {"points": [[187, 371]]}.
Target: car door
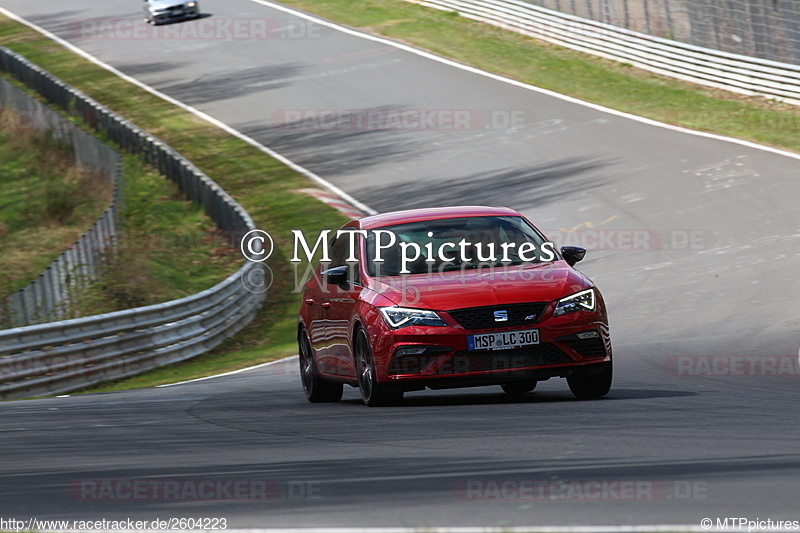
{"points": [[316, 297], [340, 304], [315, 317], [317, 307]]}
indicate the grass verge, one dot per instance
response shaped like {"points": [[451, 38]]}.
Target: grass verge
{"points": [[47, 201], [168, 247]]}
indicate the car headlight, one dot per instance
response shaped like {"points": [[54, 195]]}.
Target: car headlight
{"points": [[580, 301], [400, 317], [191, 4]]}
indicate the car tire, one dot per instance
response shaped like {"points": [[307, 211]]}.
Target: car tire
{"points": [[372, 393], [519, 387], [591, 382], [317, 390]]}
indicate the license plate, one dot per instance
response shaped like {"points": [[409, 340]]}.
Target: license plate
{"points": [[177, 13], [503, 340]]}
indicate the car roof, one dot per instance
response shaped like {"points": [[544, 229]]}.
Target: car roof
{"points": [[433, 213]]}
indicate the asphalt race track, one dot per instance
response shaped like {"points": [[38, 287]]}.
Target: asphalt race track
{"points": [[712, 284]]}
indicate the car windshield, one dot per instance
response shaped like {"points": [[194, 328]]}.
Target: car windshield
{"points": [[454, 244]]}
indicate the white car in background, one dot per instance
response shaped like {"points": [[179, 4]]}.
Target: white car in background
{"points": [[161, 11]]}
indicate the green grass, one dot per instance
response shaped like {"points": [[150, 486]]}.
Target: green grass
{"points": [[265, 187], [596, 80], [47, 201], [169, 247]]}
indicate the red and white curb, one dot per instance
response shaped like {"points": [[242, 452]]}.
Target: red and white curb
{"points": [[336, 202]]}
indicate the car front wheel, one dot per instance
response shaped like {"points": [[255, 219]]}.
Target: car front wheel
{"points": [[591, 382], [372, 393]]}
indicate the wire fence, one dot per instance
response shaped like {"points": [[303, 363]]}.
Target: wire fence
{"points": [[49, 297], [766, 29]]}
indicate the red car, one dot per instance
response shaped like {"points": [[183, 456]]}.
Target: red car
{"points": [[449, 297]]}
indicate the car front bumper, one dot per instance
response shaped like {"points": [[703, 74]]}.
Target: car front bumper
{"points": [[439, 357]]}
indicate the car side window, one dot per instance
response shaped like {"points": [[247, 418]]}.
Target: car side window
{"points": [[339, 252], [336, 251]]}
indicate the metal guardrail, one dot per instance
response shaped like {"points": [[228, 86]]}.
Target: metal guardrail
{"points": [[767, 29], [705, 66], [62, 356], [49, 297]]}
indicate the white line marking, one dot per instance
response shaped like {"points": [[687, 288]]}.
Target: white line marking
{"points": [[232, 372], [228, 129], [522, 85]]}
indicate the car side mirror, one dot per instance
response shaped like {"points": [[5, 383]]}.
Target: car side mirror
{"points": [[573, 254], [336, 275]]}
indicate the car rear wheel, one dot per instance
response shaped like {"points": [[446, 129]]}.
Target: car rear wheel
{"points": [[317, 390], [591, 382], [372, 393], [519, 387]]}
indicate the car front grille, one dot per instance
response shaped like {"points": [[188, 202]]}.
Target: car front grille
{"points": [[475, 318], [526, 356]]}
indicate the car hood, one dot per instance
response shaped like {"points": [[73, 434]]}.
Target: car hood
{"points": [[474, 288]]}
